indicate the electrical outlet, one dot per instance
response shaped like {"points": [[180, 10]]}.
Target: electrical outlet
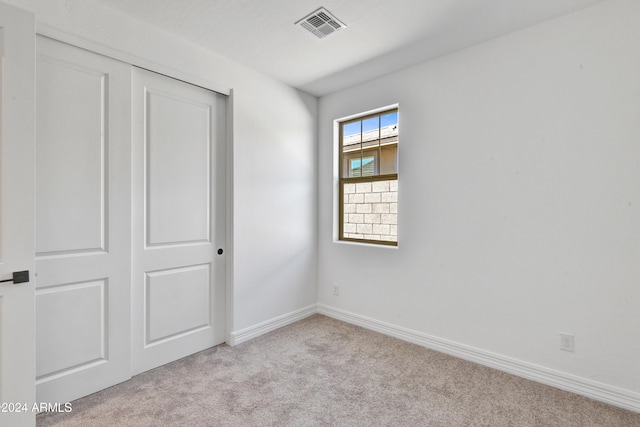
{"points": [[566, 342], [336, 290]]}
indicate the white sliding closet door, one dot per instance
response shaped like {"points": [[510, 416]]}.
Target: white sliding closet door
{"points": [[178, 219], [17, 68], [83, 213]]}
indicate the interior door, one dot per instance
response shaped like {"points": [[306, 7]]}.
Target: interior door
{"points": [[17, 365], [83, 212], [178, 157]]}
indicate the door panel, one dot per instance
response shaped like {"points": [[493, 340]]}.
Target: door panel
{"points": [[87, 326], [175, 216], [83, 315], [72, 157], [178, 219], [17, 338], [170, 313]]}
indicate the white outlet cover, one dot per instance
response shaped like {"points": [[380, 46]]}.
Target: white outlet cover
{"points": [[566, 342]]}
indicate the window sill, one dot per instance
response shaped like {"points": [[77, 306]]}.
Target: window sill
{"points": [[365, 244]]}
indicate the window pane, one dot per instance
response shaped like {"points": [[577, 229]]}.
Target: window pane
{"points": [[370, 128], [352, 136], [371, 133], [352, 149], [371, 124], [355, 168], [371, 210], [352, 128], [390, 119], [389, 143], [389, 159], [368, 166]]}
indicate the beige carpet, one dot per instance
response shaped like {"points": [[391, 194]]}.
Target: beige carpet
{"points": [[322, 372]]}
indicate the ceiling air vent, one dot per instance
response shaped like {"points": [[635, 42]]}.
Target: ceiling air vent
{"points": [[321, 23]]}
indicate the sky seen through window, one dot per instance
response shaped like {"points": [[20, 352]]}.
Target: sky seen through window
{"points": [[370, 124]]}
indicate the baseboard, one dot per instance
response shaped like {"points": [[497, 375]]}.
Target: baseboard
{"points": [[602, 392], [270, 325]]}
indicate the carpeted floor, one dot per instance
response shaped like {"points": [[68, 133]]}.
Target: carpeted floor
{"points": [[323, 372]]}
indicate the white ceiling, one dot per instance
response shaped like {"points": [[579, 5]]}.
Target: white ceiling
{"points": [[381, 36]]}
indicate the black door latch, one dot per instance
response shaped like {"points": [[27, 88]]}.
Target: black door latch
{"points": [[18, 277]]}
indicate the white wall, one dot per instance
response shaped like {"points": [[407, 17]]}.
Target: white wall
{"points": [[274, 149], [519, 198]]}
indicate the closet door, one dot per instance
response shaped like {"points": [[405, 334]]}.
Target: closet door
{"points": [[83, 314], [178, 219]]}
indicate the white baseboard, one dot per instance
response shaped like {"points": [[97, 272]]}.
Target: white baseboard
{"points": [[270, 325], [602, 392]]}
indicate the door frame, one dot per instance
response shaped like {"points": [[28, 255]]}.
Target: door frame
{"points": [[83, 43], [17, 212]]}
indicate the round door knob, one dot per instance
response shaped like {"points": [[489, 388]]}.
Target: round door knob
{"points": [[220, 251]]}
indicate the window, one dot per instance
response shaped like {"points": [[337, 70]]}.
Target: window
{"points": [[369, 179]]}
